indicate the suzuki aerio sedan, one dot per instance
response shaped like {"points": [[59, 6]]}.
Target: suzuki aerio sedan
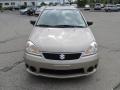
{"points": [[61, 44]]}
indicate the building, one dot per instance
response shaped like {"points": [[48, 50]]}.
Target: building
{"points": [[17, 3]]}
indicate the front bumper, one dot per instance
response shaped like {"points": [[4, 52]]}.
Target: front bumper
{"points": [[40, 66]]}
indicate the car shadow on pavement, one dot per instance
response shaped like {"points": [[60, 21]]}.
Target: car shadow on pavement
{"points": [[38, 79]]}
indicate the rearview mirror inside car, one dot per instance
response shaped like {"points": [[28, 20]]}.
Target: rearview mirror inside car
{"points": [[89, 23], [32, 22]]}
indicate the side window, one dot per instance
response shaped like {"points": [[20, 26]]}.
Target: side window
{"points": [[6, 4], [25, 3], [13, 3], [33, 3]]}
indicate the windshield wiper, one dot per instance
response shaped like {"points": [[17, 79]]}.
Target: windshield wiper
{"points": [[60, 26], [44, 25], [71, 26]]}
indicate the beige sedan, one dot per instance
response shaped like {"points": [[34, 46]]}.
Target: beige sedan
{"points": [[61, 44]]}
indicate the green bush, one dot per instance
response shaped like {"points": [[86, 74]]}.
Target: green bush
{"points": [[81, 3], [43, 4], [23, 7], [78, 3], [0, 7]]}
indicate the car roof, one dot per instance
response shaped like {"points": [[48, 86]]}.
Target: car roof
{"points": [[61, 7], [111, 5], [117, 4]]}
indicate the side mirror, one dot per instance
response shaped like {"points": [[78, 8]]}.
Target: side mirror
{"points": [[32, 22], [89, 23]]}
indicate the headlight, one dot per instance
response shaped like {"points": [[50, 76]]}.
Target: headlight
{"points": [[92, 49], [32, 49]]}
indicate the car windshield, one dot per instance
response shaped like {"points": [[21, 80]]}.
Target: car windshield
{"points": [[111, 5], [98, 4], [40, 9], [61, 18], [118, 5]]}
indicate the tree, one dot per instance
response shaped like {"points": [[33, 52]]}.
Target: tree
{"points": [[78, 3], [70, 1], [0, 7], [51, 3], [43, 4], [81, 3]]}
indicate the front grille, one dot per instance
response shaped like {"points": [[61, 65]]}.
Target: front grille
{"points": [[53, 56], [62, 72]]}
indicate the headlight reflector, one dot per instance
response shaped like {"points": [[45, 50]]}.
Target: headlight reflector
{"points": [[32, 49], [92, 49]]}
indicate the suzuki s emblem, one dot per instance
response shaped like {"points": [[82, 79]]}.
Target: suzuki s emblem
{"points": [[62, 56]]}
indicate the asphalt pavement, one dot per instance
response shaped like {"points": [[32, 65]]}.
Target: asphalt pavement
{"points": [[14, 32]]}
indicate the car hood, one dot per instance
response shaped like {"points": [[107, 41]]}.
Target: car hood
{"points": [[62, 39], [23, 10]]}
